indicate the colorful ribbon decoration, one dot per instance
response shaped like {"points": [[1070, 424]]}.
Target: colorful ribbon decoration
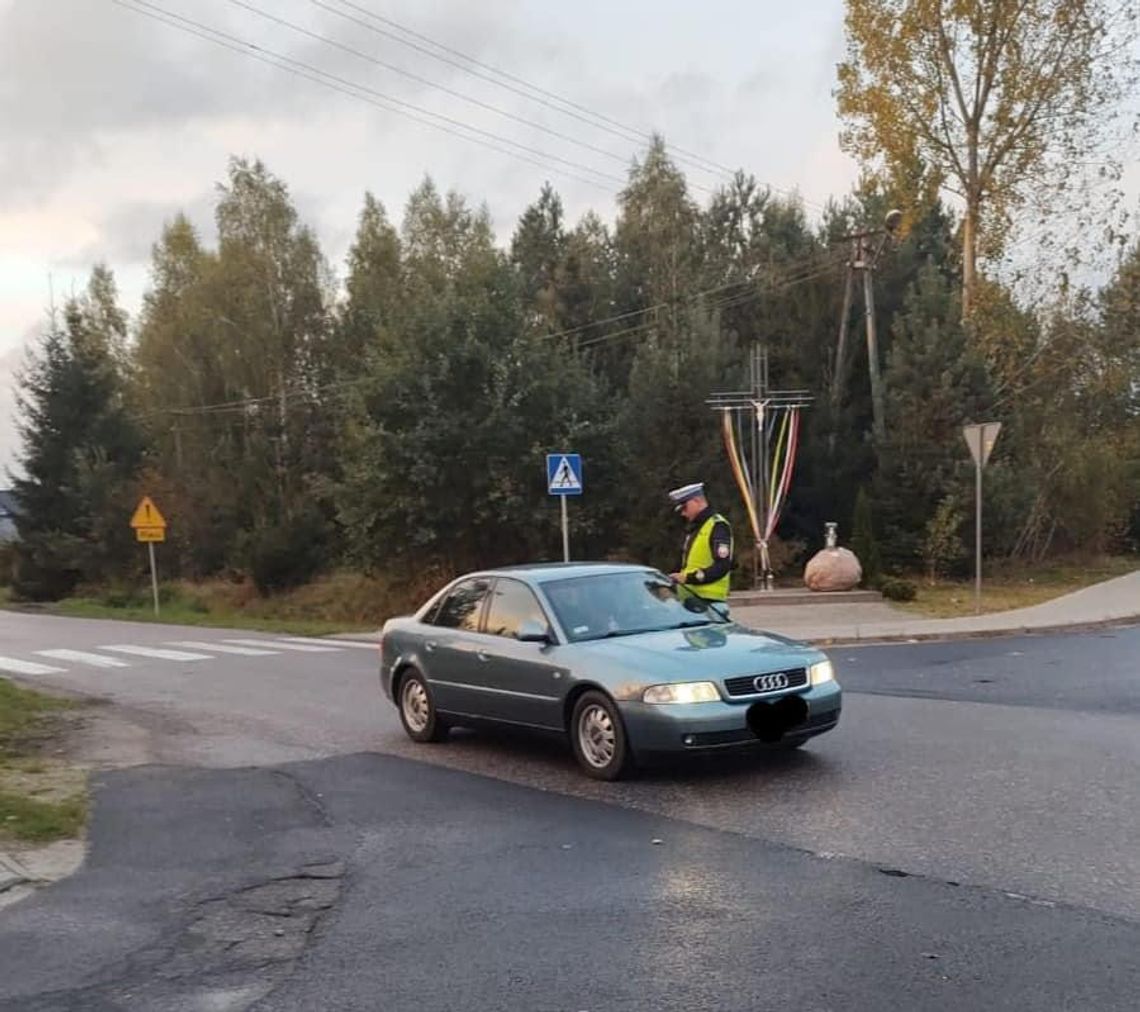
{"points": [[739, 473], [778, 496], [782, 469]]}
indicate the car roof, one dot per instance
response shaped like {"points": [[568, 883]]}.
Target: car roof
{"points": [[545, 572]]}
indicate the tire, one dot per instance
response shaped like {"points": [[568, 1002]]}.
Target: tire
{"points": [[417, 709], [598, 739]]}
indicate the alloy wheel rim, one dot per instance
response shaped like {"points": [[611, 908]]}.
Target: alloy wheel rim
{"points": [[596, 736], [416, 707]]}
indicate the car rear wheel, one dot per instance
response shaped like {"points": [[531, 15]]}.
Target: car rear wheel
{"points": [[598, 738], [417, 710]]}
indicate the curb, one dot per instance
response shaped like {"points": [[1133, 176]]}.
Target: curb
{"points": [[897, 637], [12, 873], [977, 634]]}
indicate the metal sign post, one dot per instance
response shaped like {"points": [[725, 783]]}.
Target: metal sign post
{"points": [[565, 530], [980, 439], [150, 527], [564, 478], [153, 576]]}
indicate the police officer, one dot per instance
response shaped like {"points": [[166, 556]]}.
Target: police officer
{"points": [[706, 559]]}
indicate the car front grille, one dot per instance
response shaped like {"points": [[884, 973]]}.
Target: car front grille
{"points": [[768, 681]]}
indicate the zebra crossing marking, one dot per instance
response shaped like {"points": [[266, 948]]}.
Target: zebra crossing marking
{"points": [[83, 657], [336, 644], [157, 653], [301, 647], [222, 648], [17, 667]]}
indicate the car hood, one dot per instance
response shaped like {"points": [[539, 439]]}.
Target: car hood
{"points": [[713, 651]]}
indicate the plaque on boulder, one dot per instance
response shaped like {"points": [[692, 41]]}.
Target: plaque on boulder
{"points": [[833, 568]]}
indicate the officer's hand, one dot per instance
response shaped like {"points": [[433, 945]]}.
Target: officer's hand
{"points": [[677, 577]]}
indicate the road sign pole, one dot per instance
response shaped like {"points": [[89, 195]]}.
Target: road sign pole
{"points": [[153, 576], [565, 530], [978, 536], [981, 445]]}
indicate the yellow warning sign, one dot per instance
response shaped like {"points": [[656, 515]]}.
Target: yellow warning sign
{"points": [[147, 516], [150, 533]]}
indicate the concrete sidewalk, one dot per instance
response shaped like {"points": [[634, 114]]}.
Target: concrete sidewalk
{"points": [[1113, 601], [1116, 600]]}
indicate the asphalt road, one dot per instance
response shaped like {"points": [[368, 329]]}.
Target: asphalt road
{"points": [[966, 838]]}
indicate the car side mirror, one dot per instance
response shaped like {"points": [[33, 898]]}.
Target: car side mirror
{"points": [[534, 632]]}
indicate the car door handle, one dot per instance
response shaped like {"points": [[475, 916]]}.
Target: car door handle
{"points": [[482, 656], [429, 647]]}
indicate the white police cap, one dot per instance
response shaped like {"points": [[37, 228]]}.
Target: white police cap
{"points": [[679, 496]]}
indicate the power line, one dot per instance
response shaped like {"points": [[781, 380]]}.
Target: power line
{"points": [[540, 95], [353, 90], [334, 82], [317, 37], [803, 262], [606, 123], [781, 285], [793, 277]]}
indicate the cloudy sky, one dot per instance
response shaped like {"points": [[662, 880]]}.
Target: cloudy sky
{"points": [[111, 121]]}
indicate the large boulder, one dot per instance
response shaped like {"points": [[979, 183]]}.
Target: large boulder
{"points": [[833, 569]]}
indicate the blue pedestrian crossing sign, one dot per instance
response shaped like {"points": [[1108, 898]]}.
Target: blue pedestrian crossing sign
{"points": [[564, 473]]}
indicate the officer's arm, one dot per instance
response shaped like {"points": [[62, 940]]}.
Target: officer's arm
{"points": [[721, 541]]}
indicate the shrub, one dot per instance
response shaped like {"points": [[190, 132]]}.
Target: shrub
{"points": [[895, 589], [943, 546], [287, 555], [46, 567]]}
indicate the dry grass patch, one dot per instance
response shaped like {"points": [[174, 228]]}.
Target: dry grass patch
{"points": [[42, 798], [1006, 586]]}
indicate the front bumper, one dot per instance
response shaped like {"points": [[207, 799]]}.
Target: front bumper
{"points": [[709, 727]]}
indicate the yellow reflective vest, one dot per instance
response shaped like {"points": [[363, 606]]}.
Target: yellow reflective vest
{"points": [[700, 557]]}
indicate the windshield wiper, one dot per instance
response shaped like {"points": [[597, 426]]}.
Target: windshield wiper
{"points": [[626, 632], [650, 629]]}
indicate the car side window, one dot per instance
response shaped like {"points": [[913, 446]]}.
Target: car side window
{"points": [[512, 604], [463, 606]]}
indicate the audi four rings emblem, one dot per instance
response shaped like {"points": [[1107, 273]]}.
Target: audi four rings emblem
{"points": [[766, 683]]}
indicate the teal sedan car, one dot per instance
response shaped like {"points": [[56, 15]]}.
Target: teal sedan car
{"points": [[619, 658]]}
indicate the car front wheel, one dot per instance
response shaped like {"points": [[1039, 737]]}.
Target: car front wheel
{"points": [[417, 710], [598, 738]]}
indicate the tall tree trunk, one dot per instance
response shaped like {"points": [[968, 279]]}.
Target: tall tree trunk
{"points": [[970, 224], [969, 258]]}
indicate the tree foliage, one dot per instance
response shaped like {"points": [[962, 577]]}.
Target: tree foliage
{"points": [[81, 450], [398, 423], [998, 102]]}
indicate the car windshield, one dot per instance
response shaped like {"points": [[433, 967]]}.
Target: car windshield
{"points": [[624, 604]]}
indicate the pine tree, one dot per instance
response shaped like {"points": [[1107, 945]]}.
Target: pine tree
{"points": [[935, 383], [81, 450]]}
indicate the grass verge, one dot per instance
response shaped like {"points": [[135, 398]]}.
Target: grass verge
{"points": [[337, 602], [41, 799], [1008, 586], [177, 613]]}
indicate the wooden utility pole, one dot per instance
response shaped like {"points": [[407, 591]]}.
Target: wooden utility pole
{"points": [[864, 256]]}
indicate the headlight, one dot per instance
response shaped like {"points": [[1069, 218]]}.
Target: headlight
{"points": [[821, 672], [684, 692]]}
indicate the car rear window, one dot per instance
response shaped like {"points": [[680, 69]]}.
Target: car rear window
{"points": [[463, 606]]}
